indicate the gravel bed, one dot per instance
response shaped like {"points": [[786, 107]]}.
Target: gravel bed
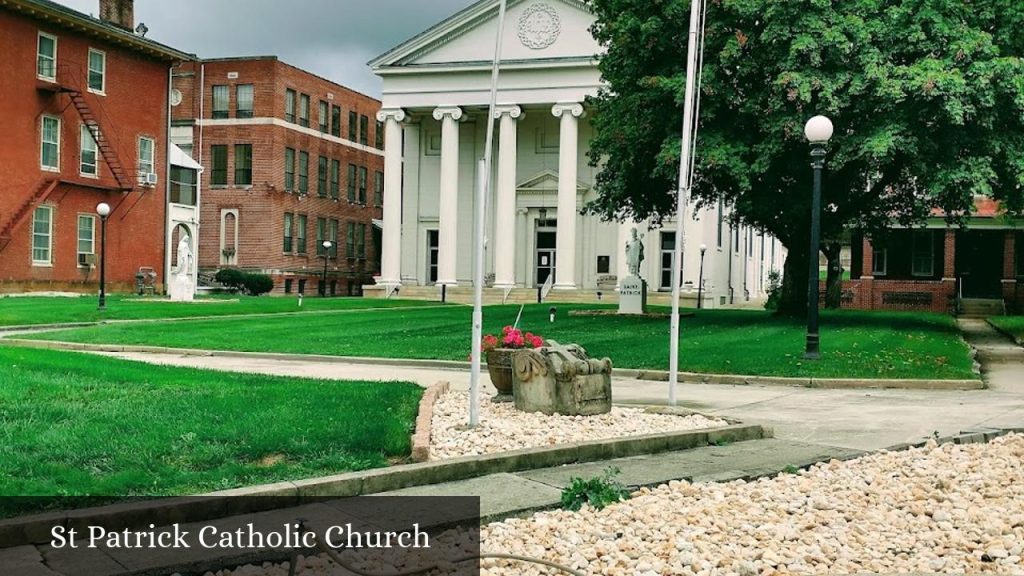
{"points": [[949, 509], [503, 428]]}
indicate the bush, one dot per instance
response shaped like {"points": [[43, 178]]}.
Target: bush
{"points": [[230, 277], [248, 282], [598, 492], [774, 290]]}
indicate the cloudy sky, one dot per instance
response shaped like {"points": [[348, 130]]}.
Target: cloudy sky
{"points": [[332, 38]]}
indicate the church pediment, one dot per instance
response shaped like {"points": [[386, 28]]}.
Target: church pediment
{"points": [[542, 31], [546, 182]]}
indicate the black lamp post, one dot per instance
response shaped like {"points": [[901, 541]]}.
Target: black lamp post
{"points": [[327, 255], [103, 209], [700, 278], [818, 132]]}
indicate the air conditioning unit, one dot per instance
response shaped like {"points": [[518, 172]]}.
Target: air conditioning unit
{"points": [[87, 260], [148, 179]]}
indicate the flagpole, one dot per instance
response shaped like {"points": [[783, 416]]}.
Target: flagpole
{"points": [[484, 179], [683, 193]]}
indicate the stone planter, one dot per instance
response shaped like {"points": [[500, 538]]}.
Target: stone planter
{"points": [[499, 366]]}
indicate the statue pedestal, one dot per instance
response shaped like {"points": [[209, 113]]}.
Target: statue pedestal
{"points": [[633, 295], [182, 289]]}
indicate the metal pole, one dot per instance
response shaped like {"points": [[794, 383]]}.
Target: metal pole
{"points": [[484, 178], [700, 283], [685, 160], [103, 263], [323, 287], [813, 337]]}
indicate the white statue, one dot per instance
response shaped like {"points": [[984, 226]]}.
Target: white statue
{"points": [[182, 288], [184, 257], [634, 254]]}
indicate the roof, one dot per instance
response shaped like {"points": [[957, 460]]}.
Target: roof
{"points": [[984, 207], [78, 21]]}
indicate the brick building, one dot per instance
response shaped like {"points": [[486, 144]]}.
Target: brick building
{"points": [[85, 104], [290, 160]]}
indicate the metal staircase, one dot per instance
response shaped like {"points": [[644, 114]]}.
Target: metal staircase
{"points": [[42, 192], [103, 144]]}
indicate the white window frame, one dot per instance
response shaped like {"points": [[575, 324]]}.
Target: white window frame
{"points": [[875, 270], [152, 160], [38, 55], [102, 91], [92, 241], [81, 157], [917, 237], [49, 237], [43, 142]]}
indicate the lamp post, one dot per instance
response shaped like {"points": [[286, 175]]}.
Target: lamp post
{"points": [[327, 256], [700, 278], [103, 209], [818, 132]]}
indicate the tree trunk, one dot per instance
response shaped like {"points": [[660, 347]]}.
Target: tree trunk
{"points": [[794, 284], [834, 280]]}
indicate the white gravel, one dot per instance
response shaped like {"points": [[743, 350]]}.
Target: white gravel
{"points": [[503, 428]]}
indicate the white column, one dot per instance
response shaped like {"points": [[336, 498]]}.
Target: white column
{"points": [[505, 206], [522, 232], [391, 249], [449, 194], [568, 161]]}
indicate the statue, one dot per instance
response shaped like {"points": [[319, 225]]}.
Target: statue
{"points": [[184, 257], [182, 288], [634, 254]]}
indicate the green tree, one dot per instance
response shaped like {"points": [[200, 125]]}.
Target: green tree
{"points": [[927, 97]]}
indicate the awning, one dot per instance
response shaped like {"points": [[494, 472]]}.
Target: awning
{"points": [[378, 223], [179, 158]]}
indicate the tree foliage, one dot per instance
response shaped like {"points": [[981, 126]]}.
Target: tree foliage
{"points": [[927, 97]]}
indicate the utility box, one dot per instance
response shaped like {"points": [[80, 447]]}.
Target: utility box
{"points": [[558, 379]]}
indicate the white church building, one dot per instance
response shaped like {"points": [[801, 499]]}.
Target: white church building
{"points": [[436, 91]]}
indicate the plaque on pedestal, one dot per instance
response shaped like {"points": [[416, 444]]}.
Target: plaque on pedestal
{"points": [[633, 296]]}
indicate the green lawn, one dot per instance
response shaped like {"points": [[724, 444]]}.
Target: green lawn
{"points": [[75, 425], [1011, 324], [854, 344], [31, 310]]}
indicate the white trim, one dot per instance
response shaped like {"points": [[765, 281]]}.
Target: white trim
{"points": [[281, 123], [38, 75], [42, 141], [152, 159], [78, 238], [49, 238], [83, 130], [875, 270], [88, 71]]}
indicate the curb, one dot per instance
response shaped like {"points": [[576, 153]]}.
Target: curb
{"points": [[649, 375], [35, 529], [424, 419]]}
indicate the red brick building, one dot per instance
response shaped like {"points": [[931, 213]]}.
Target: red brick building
{"points": [[85, 104], [290, 160]]}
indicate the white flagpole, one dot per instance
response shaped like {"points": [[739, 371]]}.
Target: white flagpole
{"points": [[478, 232], [685, 161]]}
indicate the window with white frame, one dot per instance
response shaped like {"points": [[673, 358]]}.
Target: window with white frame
{"points": [[86, 239], [923, 261], [46, 57], [147, 152], [88, 165], [879, 262], [42, 236], [97, 71], [49, 153]]}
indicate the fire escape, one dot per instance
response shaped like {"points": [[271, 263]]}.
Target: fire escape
{"points": [[72, 84]]}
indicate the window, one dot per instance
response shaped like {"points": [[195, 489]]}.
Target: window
{"points": [[336, 121], [353, 126], [49, 153], [378, 188], [362, 184], [721, 221], [304, 110], [880, 262], [300, 234], [288, 222], [88, 165], [219, 165], [924, 254], [220, 102], [244, 101], [321, 230], [42, 235], [361, 241], [350, 241], [289, 169], [335, 178], [243, 164], [97, 71], [147, 153], [351, 183], [333, 237], [303, 172], [183, 186], [86, 239], [364, 130], [46, 57], [378, 135], [321, 177], [323, 117], [289, 105], [604, 264]]}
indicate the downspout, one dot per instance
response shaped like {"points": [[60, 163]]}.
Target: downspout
{"points": [[746, 267], [199, 179], [732, 254], [167, 177]]}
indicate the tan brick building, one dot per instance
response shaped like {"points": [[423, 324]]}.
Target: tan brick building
{"points": [[290, 160]]}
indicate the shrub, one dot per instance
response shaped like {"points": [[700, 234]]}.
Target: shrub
{"points": [[230, 277], [258, 284], [774, 290], [598, 492]]}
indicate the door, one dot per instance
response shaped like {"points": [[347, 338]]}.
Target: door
{"points": [[979, 263], [545, 255], [668, 254], [433, 241]]}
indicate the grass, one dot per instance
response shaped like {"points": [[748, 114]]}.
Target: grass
{"points": [[1013, 325], [78, 425], [34, 310], [854, 344]]}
